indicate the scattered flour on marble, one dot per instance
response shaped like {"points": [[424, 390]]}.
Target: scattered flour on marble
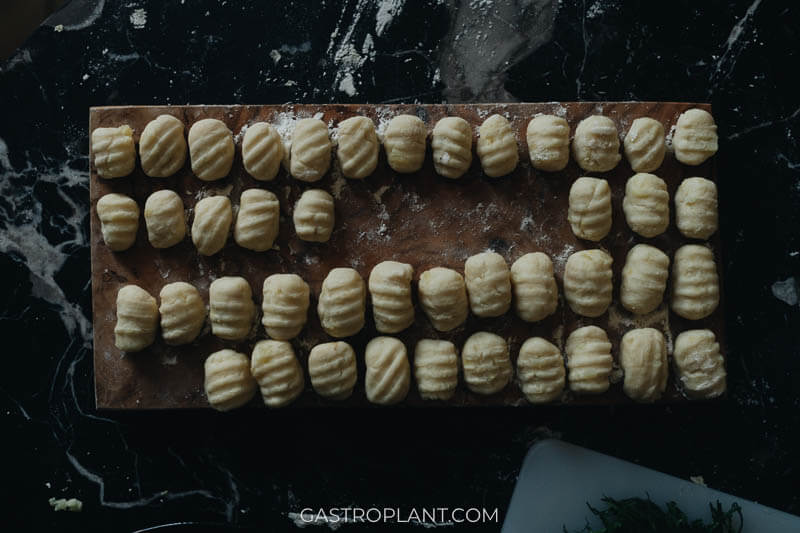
{"points": [[275, 56], [526, 223], [387, 11], [339, 182], [560, 259], [786, 291], [595, 10], [139, 18]]}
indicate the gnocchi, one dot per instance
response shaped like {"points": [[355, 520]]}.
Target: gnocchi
{"points": [[231, 308], [310, 151], [540, 370], [646, 205], [314, 216], [262, 151], [162, 147], [534, 285], [596, 144], [210, 149], [113, 151], [486, 363], [390, 288], [695, 285], [695, 138], [285, 305], [228, 381], [119, 221], [332, 368], [257, 220], [548, 143], [643, 358], [589, 360], [164, 218], [342, 302], [443, 297], [183, 313], [388, 373], [436, 369], [587, 282], [137, 319], [696, 208], [700, 366], [277, 372], [451, 142], [497, 147], [645, 144], [404, 142], [589, 212], [212, 223], [358, 147], [644, 279], [488, 283]]}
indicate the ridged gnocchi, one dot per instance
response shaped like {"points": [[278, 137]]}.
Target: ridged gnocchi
{"points": [[644, 279], [358, 147], [540, 370], [695, 138], [696, 208], [451, 142], [390, 289], [212, 223], [646, 205], [436, 369], [700, 366], [231, 308], [589, 212], [314, 216], [257, 221], [342, 302], [643, 358], [137, 319], [497, 147], [113, 151], [488, 281], [277, 372], [228, 381], [404, 141], [587, 282], [210, 149], [311, 150], [645, 144], [589, 360], [119, 221], [388, 371], [183, 313], [548, 143], [534, 286], [285, 305], [164, 218], [596, 144], [262, 151], [695, 285], [486, 363], [443, 297], [333, 371], [162, 146]]}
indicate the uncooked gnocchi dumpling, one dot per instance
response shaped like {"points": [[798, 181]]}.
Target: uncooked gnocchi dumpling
{"points": [[540, 370], [451, 142], [162, 147], [695, 285], [341, 303], [596, 144], [257, 221], [645, 144], [119, 221], [443, 297], [643, 358], [589, 360], [644, 279], [497, 147], [404, 142], [262, 151], [137, 319], [534, 286], [486, 363], [183, 313], [164, 218], [488, 284], [228, 381], [548, 143], [700, 366], [587, 282], [388, 372], [231, 308], [390, 289], [646, 205], [210, 149], [314, 216], [358, 147], [589, 211], [285, 305], [311, 150], [696, 208], [436, 369], [695, 138], [333, 371], [212, 222], [113, 151], [278, 372]]}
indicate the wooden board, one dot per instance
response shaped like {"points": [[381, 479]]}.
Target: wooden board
{"points": [[421, 219]]}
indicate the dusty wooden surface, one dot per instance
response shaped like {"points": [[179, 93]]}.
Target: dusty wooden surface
{"points": [[422, 219]]}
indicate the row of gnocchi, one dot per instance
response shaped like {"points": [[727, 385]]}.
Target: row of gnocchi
{"points": [[231, 378], [307, 154], [444, 295], [256, 226]]}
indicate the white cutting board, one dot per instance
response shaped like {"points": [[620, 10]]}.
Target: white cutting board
{"points": [[557, 479]]}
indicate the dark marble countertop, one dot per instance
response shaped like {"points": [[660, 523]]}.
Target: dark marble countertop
{"points": [[257, 468]]}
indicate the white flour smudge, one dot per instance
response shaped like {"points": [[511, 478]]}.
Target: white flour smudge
{"points": [[139, 18], [786, 291], [387, 11]]}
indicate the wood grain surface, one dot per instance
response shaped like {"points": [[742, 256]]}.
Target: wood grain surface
{"points": [[421, 218]]}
